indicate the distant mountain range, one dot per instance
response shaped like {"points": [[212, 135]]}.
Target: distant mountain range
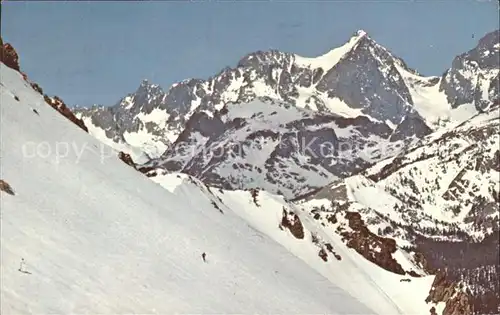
{"points": [[359, 78], [359, 93]]}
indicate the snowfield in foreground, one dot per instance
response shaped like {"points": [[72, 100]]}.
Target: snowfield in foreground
{"points": [[99, 237], [381, 290]]}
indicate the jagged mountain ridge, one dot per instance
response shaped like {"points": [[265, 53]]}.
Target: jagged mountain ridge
{"points": [[452, 175], [137, 124], [359, 78], [448, 179], [438, 199], [474, 75]]}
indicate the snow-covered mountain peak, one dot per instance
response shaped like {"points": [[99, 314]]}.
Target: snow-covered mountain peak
{"points": [[146, 94], [148, 86], [361, 33], [488, 49], [277, 147], [331, 58]]}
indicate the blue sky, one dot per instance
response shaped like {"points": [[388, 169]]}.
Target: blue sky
{"points": [[97, 52]]}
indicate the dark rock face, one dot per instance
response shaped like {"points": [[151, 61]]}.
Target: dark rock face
{"points": [[411, 126], [463, 82], [363, 75], [127, 159], [444, 290], [4, 186], [59, 105], [466, 264], [9, 56], [367, 78], [376, 249], [292, 222], [197, 116], [125, 116]]}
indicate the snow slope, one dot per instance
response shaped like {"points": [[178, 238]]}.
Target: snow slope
{"points": [[331, 58], [139, 155], [379, 289], [99, 237]]}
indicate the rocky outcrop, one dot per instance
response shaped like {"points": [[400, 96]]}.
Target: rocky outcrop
{"points": [[469, 154], [474, 74], [9, 56], [291, 221], [5, 187], [458, 301], [148, 171], [255, 194], [376, 249], [323, 255], [127, 159], [59, 105]]}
